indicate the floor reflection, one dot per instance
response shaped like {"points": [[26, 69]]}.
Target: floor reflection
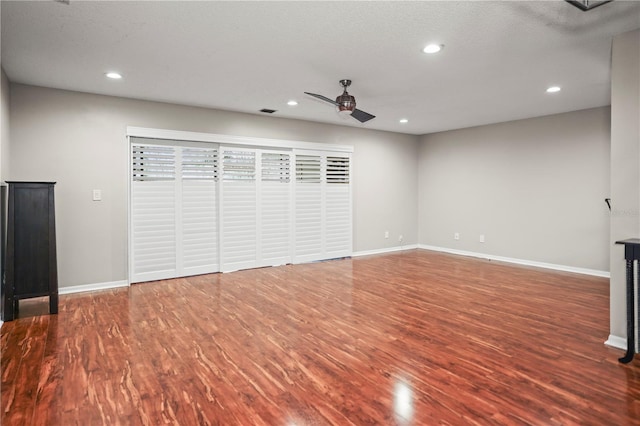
{"points": [[394, 339], [33, 307], [403, 401]]}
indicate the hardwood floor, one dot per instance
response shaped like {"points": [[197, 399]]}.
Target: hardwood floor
{"points": [[411, 338]]}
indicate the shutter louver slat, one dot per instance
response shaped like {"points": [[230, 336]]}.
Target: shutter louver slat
{"points": [[338, 221], [337, 170], [199, 225], [153, 229], [276, 167], [239, 165], [308, 168], [151, 163], [200, 164]]}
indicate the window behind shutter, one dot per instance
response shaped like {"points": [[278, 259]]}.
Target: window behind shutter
{"points": [[153, 163], [308, 168], [337, 170]]}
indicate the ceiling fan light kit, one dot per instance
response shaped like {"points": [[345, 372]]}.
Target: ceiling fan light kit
{"points": [[345, 103]]}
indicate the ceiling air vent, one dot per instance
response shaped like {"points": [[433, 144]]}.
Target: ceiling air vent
{"points": [[586, 5], [267, 110]]}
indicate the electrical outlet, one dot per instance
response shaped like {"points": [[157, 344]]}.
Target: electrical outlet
{"points": [[386, 234], [456, 236], [482, 238], [97, 195], [400, 238]]}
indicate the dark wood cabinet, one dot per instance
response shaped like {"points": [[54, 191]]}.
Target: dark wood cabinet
{"points": [[30, 264], [631, 255]]}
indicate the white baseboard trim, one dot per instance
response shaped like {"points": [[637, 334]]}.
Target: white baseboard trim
{"points": [[604, 274], [93, 287], [565, 268], [384, 250], [616, 342]]}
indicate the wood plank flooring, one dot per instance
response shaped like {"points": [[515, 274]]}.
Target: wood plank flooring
{"points": [[410, 338]]}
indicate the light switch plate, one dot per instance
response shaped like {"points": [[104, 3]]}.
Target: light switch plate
{"points": [[97, 195]]}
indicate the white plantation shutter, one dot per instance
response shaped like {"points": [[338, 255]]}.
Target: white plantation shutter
{"points": [[153, 218], [308, 210], [199, 210], [173, 211], [239, 209], [322, 204], [337, 233], [275, 208]]}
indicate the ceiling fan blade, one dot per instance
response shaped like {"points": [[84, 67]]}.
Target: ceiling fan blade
{"points": [[324, 98], [361, 116]]}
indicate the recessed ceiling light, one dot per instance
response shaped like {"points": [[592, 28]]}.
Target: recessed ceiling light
{"points": [[292, 103], [404, 120], [114, 75], [553, 89], [433, 48]]}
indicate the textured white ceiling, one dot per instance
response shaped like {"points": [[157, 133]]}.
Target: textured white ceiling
{"points": [[499, 56]]}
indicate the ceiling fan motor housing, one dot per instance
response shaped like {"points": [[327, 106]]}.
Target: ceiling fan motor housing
{"points": [[346, 102]]}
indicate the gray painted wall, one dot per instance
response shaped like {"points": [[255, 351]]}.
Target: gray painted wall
{"points": [[535, 188], [4, 126], [4, 140], [79, 141], [625, 166]]}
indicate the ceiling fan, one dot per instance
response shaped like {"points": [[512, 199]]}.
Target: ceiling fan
{"points": [[346, 103]]}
